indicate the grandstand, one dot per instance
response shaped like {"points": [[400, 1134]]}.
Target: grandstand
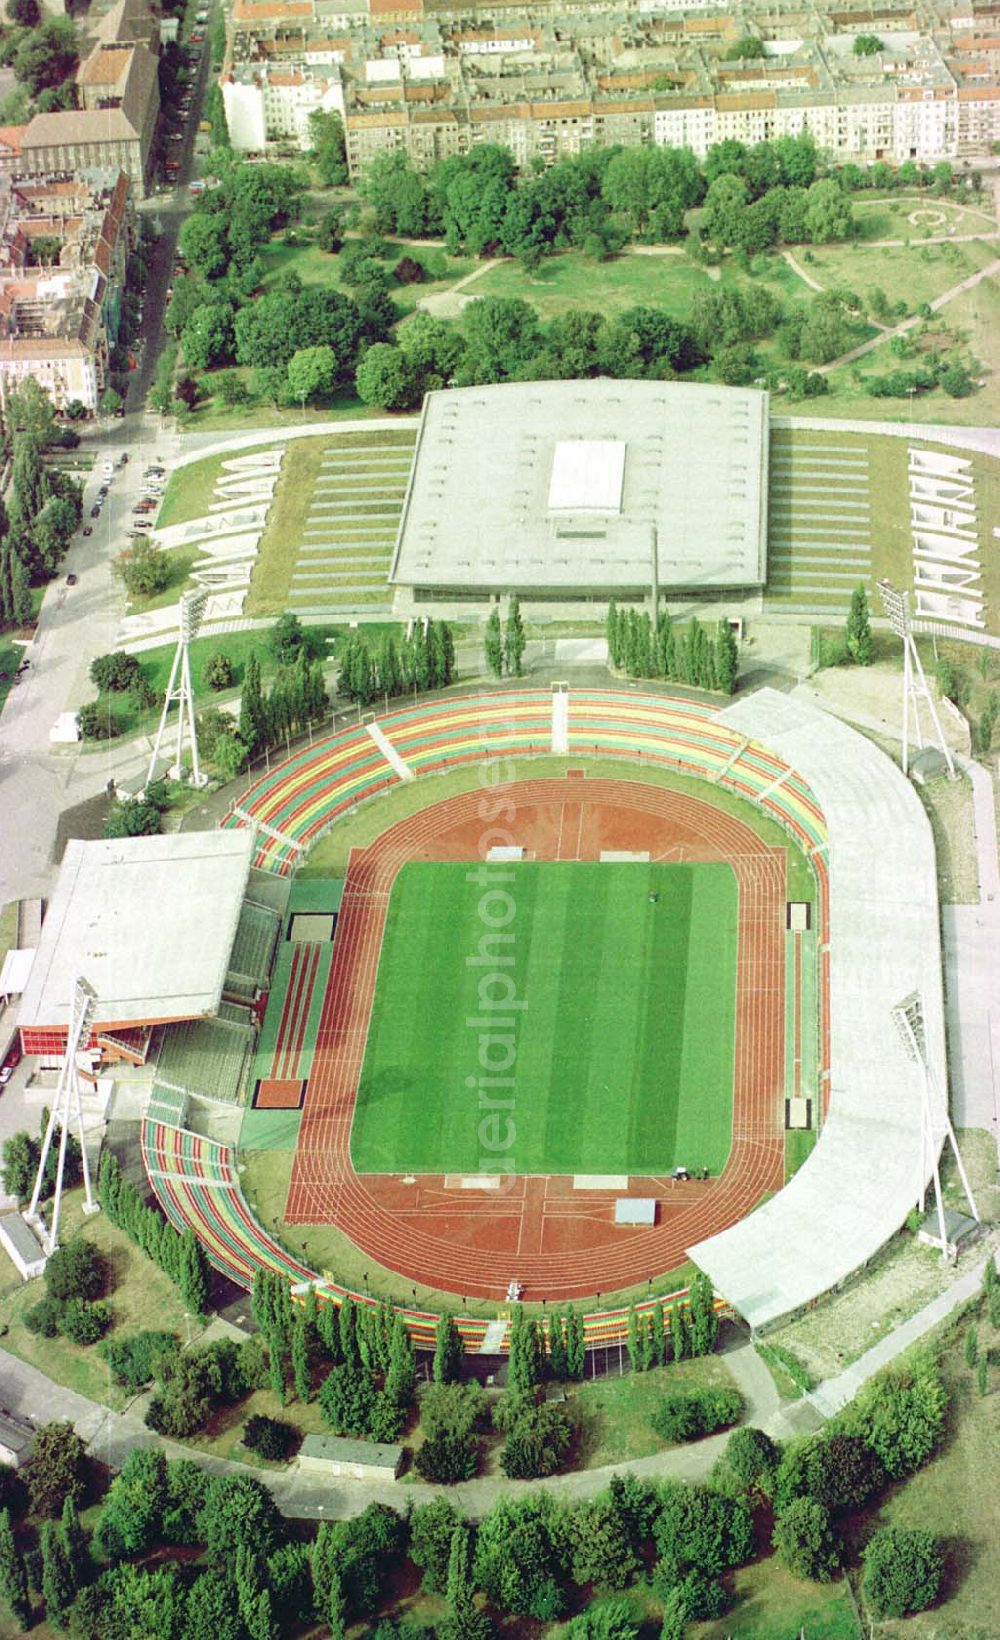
{"points": [[208, 1057], [253, 950]]}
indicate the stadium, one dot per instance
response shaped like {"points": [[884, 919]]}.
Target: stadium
{"points": [[714, 913]]}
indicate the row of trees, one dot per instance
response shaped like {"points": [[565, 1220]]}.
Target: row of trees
{"points": [[179, 1254], [391, 667], [701, 659], [678, 1332], [598, 200], [504, 643], [44, 505]]}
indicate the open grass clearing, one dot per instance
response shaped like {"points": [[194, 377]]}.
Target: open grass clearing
{"points": [[898, 1282], [613, 1412], [190, 490], [181, 561], [140, 1297], [955, 1496], [317, 267], [887, 216], [911, 273], [768, 1603]]}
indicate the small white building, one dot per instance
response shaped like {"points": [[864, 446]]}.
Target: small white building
{"points": [[333, 1456], [265, 104], [16, 1440]]}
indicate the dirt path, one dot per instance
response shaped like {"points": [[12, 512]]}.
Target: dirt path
{"points": [[914, 319], [446, 304]]}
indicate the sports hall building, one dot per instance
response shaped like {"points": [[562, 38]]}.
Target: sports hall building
{"points": [[577, 492]]}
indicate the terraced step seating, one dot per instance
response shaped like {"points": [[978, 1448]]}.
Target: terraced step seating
{"points": [[206, 1057], [253, 950], [819, 521]]}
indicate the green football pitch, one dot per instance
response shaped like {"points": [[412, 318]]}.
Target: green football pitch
{"points": [[618, 1042]]}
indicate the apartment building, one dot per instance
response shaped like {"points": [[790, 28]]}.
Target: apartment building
{"points": [[64, 247], [431, 78]]}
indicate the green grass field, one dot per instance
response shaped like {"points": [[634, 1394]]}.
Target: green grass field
{"points": [[625, 1018]]}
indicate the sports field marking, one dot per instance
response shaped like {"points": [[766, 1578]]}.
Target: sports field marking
{"points": [[623, 993]]}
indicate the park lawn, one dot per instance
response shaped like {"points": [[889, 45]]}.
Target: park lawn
{"points": [[768, 1603], [911, 273], [181, 561], [613, 1413], [317, 267], [140, 1297], [626, 975], [222, 1436], [191, 490], [279, 545], [955, 1496], [213, 416], [887, 216], [570, 280]]}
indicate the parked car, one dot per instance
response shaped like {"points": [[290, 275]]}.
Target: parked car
{"points": [[95, 511], [71, 579], [10, 1064], [102, 492], [86, 530], [123, 462]]}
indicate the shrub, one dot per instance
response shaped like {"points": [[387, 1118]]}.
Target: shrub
{"points": [[75, 1271], [218, 671], [96, 721], [805, 1542], [408, 271], [82, 1322], [686, 1417], [269, 1437], [903, 1571], [117, 672], [537, 1442], [43, 1318], [132, 1361], [445, 1459]]}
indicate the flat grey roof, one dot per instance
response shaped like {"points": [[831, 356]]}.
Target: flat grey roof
{"points": [[490, 503], [863, 1177], [149, 922], [338, 1449], [21, 1237]]}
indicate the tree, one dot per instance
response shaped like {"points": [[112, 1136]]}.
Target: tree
{"points": [[805, 1542], [704, 1323], [432, 348], [239, 1511], [828, 213], [501, 336], [602, 1545], [204, 243], [747, 48], [903, 1571], [252, 723], [312, 373], [217, 671], [385, 378], [58, 1582], [20, 1164], [193, 1274], [57, 1470], [207, 338], [752, 1457], [867, 45], [143, 567], [329, 151], [858, 631], [448, 1350], [538, 1439], [493, 643], [27, 13], [116, 672], [514, 639], [900, 1415], [727, 658], [131, 816], [269, 1437], [13, 1578]]}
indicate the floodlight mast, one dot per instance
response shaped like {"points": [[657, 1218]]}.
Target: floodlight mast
{"points": [[897, 608], [192, 608], [67, 1106], [908, 1018]]}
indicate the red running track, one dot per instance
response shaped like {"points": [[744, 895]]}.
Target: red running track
{"points": [[560, 1242]]}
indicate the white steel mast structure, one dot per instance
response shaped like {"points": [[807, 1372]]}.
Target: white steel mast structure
{"points": [[192, 606], [935, 1123], [897, 607], [66, 1108]]}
